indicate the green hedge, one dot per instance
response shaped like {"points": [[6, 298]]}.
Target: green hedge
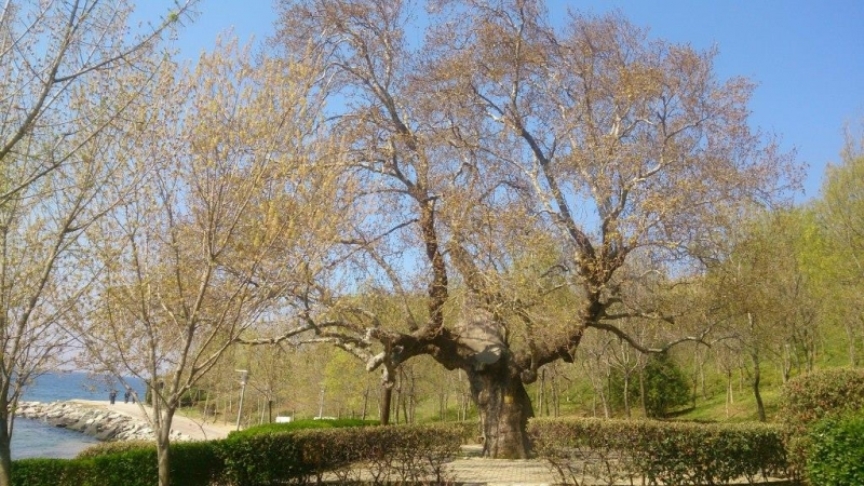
{"points": [[404, 452], [836, 451], [808, 398], [400, 453], [192, 464], [669, 452], [818, 400], [58, 472], [302, 425]]}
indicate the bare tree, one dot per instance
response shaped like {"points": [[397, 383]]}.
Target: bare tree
{"points": [[229, 222], [69, 72], [511, 168]]}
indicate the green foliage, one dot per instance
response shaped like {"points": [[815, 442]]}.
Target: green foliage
{"points": [[665, 452], [836, 451], [106, 448], [293, 457], [55, 472], [402, 454], [808, 398], [301, 425], [134, 464], [666, 386], [189, 398]]}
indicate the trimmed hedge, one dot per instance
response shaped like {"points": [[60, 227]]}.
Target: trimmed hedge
{"points": [[58, 472], [836, 453], [671, 453], [192, 464], [405, 452], [400, 453], [828, 393], [818, 400], [302, 425]]}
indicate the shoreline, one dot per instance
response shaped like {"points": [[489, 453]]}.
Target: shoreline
{"points": [[117, 422]]}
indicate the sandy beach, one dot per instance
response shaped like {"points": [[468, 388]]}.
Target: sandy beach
{"points": [[194, 428]]}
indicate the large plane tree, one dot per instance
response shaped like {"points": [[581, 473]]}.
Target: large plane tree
{"points": [[528, 182]]}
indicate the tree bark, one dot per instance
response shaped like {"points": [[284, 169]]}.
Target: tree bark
{"points": [[163, 453], [757, 377], [386, 395], [504, 407], [5, 450]]}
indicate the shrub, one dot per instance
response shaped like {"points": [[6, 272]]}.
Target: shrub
{"points": [[666, 387], [104, 448], [122, 464], [808, 398], [53, 472], [664, 383], [836, 451], [301, 425], [672, 453], [405, 452], [192, 464]]}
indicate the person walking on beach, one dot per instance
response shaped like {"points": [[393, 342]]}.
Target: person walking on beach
{"points": [[126, 396], [112, 396]]}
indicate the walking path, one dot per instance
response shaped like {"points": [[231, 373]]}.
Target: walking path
{"points": [[477, 471]]}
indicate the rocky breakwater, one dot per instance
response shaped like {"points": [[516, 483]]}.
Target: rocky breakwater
{"points": [[94, 421]]}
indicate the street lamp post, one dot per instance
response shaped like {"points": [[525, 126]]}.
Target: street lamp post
{"points": [[244, 378]]}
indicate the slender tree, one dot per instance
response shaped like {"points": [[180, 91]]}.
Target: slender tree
{"points": [[231, 182], [763, 294], [70, 71]]}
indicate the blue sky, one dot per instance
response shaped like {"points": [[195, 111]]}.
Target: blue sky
{"points": [[807, 57]]}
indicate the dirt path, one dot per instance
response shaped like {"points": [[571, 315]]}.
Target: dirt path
{"points": [[193, 427]]}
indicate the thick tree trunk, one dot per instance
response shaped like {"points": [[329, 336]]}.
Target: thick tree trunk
{"points": [[386, 397], [504, 407]]}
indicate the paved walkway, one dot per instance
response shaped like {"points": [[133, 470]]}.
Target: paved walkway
{"points": [[476, 471]]}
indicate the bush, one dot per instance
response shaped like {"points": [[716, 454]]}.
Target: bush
{"points": [[829, 393], [301, 425], [405, 452], [666, 387], [836, 451], [105, 448], [808, 399], [121, 464], [615, 451], [54, 472]]}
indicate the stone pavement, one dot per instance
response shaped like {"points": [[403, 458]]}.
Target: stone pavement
{"points": [[472, 470], [476, 471]]}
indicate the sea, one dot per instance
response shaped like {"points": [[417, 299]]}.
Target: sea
{"points": [[35, 438]]}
